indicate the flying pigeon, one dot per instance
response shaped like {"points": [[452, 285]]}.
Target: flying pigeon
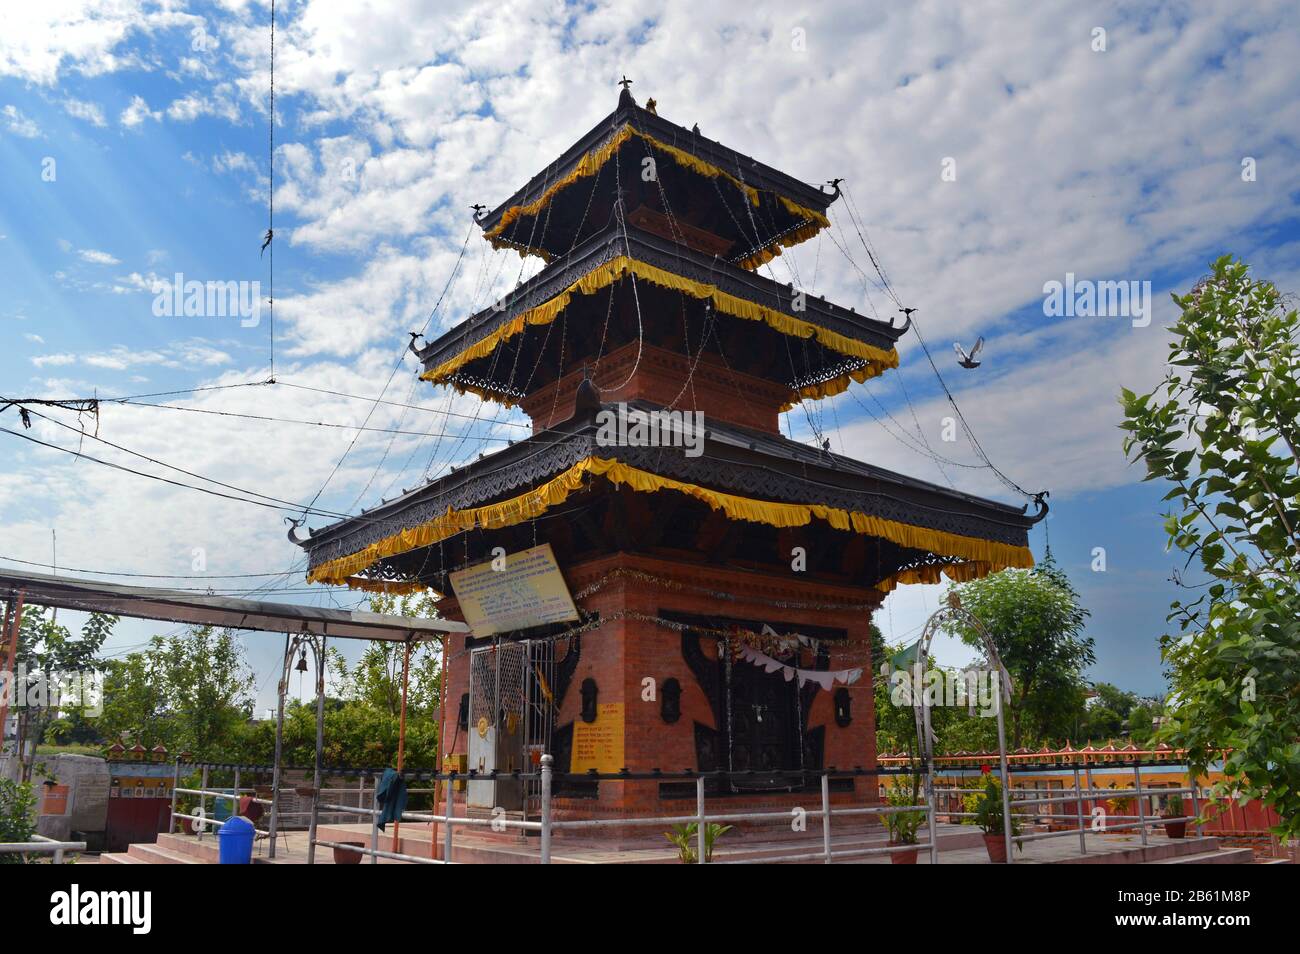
{"points": [[968, 360]]}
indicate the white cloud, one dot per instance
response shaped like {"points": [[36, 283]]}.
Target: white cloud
{"points": [[95, 257], [53, 360], [190, 107], [137, 112], [34, 339], [90, 112], [40, 41], [18, 124]]}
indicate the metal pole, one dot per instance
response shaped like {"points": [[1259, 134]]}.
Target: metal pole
{"points": [[439, 764], [547, 759], [401, 737], [1196, 801], [446, 835], [202, 826], [279, 748], [1142, 815], [176, 781], [699, 819], [234, 804], [374, 827], [1006, 778], [15, 620], [320, 750], [1078, 811], [931, 806], [826, 816]]}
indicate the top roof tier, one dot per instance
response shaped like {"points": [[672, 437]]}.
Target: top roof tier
{"points": [[697, 192]]}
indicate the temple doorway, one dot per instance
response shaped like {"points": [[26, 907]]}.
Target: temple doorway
{"points": [[765, 727]]}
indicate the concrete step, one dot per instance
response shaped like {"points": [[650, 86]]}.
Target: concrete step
{"points": [[154, 855], [1222, 856], [205, 851], [119, 858], [1128, 850]]}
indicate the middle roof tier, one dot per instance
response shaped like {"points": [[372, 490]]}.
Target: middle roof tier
{"points": [[628, 292]]}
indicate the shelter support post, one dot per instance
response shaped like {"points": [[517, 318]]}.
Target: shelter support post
{"points": [[279, 746], [15, 619], [320, 751], [401, 735]]}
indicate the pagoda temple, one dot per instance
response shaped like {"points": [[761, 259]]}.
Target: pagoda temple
{"points": [[724, 583]]}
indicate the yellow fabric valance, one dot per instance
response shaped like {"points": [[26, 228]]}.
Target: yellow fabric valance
{"points": [[592, 161], [877, 360], [983, 556]]}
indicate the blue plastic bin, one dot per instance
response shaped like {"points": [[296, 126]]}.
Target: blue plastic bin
{"points": [[235, 841]]}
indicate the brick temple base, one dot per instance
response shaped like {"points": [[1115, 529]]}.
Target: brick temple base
{"points": [[627, 649]]}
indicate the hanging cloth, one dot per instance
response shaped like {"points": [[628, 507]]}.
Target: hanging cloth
{"points": [[390, 797]]}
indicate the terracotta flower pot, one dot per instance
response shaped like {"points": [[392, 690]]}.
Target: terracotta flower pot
{"points": [[344, 857], [904, 854], [996, 846], [1175, 829]]}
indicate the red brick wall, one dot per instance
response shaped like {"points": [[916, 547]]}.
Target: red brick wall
{"points": [[657, 375], [623, 652]]}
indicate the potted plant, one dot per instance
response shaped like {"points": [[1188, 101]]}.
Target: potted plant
{"points": [[989, 817], [903, 826], [1174, 810], [684, 839]]}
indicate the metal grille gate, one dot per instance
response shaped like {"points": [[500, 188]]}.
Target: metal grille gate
{"points": [[511, 715]]}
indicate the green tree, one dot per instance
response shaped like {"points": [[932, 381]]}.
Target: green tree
{"points": [[55, 668], [187, 692], [1036, 624], [1222, 429]]}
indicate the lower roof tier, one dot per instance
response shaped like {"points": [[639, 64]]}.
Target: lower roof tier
{"points": [[746, 499], [630, 286]]}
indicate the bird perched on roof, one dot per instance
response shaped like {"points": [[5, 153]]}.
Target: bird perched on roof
{"points": [[968, 360], [650, 106], [696, 129]]}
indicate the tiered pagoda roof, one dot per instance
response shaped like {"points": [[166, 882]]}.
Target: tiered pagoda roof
{"points": [[809, 346], [650, 300], [724, 202], [868, 527]]}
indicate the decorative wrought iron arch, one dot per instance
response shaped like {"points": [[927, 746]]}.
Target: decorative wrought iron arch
{"points": [[955, 612]]}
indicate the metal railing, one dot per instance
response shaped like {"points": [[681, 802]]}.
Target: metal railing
{"points": [[43, 846], [1078, 795], [701, 818], [1082, 820]]}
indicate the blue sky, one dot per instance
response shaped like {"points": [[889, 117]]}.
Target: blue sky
{"points": [[392, 118]]}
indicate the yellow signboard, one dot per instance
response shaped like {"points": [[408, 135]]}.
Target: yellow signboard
{"points": [[599, 745], [514, 591]]}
